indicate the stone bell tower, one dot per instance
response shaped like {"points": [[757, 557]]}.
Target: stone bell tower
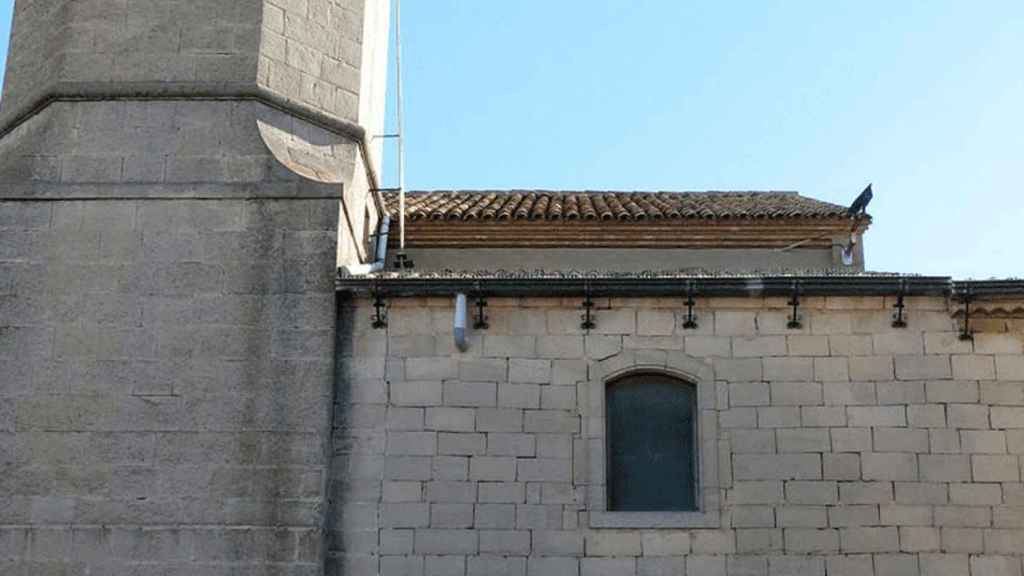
{"points": [[179, 180]]}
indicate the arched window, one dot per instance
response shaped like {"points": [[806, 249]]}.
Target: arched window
{"points": [[651, 443]]}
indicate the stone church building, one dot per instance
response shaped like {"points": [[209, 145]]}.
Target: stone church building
{"points": [[210, 364]]}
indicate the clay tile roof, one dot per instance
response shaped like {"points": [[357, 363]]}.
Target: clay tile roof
{"points": [[466, 205]]}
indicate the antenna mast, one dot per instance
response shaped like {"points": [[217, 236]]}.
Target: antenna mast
{"points": [[401, 260]]}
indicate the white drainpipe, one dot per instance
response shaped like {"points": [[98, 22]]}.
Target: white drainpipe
{"points": [[381, 252], [459, 328]]}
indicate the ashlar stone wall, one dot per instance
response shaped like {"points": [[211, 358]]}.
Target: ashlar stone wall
{"points": [[846, 447]]}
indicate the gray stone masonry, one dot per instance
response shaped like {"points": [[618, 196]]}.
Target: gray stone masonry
{"points": [[167, 302], [846, 447]]}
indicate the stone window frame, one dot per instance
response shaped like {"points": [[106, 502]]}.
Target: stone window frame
{"points": [[676, 365]]}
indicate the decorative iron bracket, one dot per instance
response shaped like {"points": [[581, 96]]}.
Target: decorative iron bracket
{"points": [[380, 316], [966, 298], [588, 304], [794, 320], [898, 320], [480, 322], [691, 319]]}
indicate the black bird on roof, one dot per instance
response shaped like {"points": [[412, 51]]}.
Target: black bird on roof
{"points": [[860, 205]]}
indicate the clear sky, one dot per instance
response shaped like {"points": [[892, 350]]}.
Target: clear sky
{"points": [[924, 99]]}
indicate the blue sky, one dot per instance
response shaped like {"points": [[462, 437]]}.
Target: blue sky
{"points": [[924, 99]]}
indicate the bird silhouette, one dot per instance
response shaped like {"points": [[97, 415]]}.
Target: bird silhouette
{"points": [[860, 205]]}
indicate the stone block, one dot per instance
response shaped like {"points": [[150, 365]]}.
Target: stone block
{"points": [[920, 493], [745, 441], [537, 517], [898, 343], [709, 346], [758, 541], [869, 540], [558, 397], [608, 567], [840, 466], [498, 346], [529, 371], [739, 369], [551, 421], [967, 416], [911, 440], [851, 439], [709, 565], [568, 372], [483, 370], [803, 440], [450, 491], [1010, 368], [888, 466], [426, 393], [777, 467], [544, 470], [995, 565], [756, 492], [865, 492], [470, 393], [983, 441], [1003, 393], [951, 391], [412, 443], [512, 542], [613, 543], [962, 540], [443, 542], [808, 345], [499, 420], [900, 392], [655, 322], [431, 368], [905, 515], [449, 467], [975, 494], [789, 369], [945, 468], [777, 416], [999, 343], [943, 564], [831, 369], [801, 517], [519, 395], [735, 323], [970, 367], [923, 367], [795, 565], [749, 394], [926, 416], [796, 393], [560, 346], [823, 416], [450, 419], [489, 565], [849, 393], [896, 565], [850, 565], [451, 515], [871, 368], [493, 469], [876, 416], [758, 346], [811, 541], [852, 516], [665, 543], [989, 468], [945, 343], [920, 539], [461, 444], [1007, 417], [798, 492]]}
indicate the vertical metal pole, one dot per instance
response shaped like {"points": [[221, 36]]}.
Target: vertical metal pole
{"points": [[401, 127]]}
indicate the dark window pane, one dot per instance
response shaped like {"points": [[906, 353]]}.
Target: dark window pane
{"points": [[651, 443]]}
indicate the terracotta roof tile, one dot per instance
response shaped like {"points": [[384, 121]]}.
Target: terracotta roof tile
{"points": [[610, 206]]}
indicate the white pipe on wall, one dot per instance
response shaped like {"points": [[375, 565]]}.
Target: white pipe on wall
{"points": [[459, 328]]}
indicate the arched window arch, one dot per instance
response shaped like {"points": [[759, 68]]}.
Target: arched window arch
{"points": [[651, 435]]}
